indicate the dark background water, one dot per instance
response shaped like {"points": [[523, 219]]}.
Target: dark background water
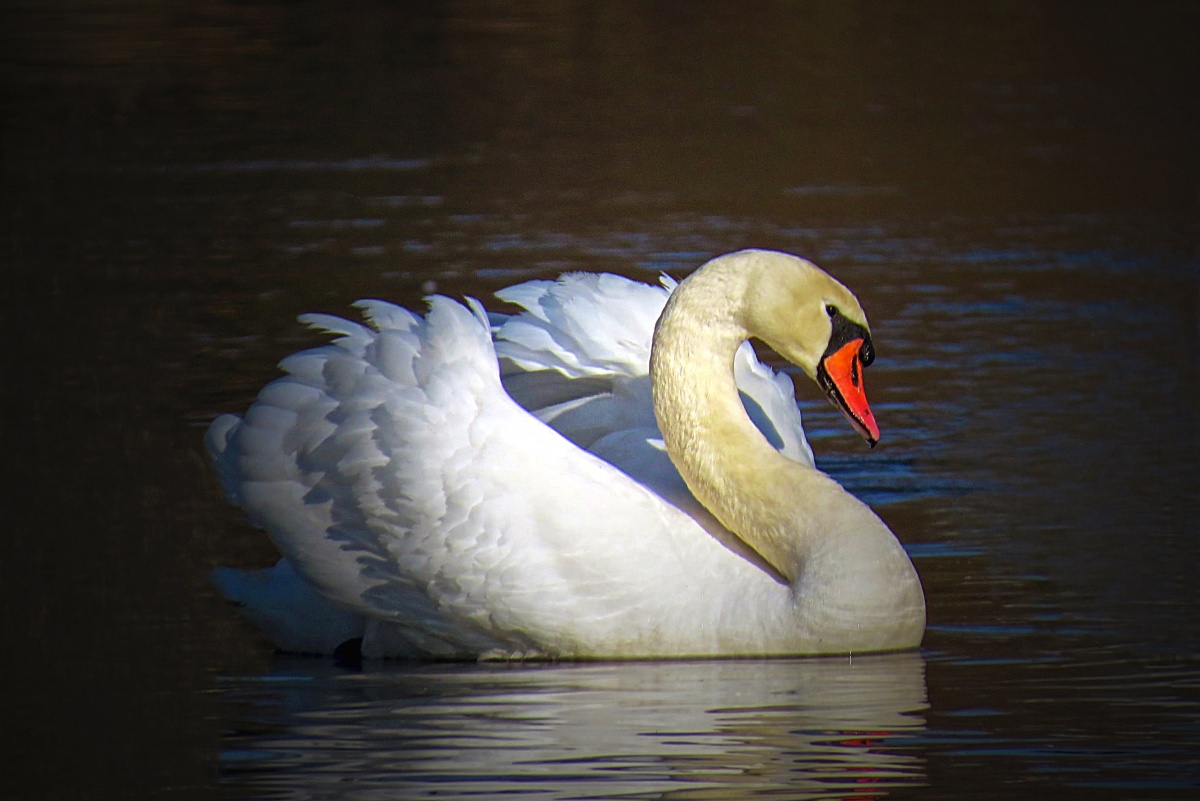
{"points": [[1011, 189]]}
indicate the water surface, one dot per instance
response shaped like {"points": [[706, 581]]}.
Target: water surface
{"points": [[1011, 191]]}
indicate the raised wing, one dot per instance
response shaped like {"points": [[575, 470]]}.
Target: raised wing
{"points": [[578, 357], [401, 481]]}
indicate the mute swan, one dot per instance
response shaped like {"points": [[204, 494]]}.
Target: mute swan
{"points": [[652, 495]]}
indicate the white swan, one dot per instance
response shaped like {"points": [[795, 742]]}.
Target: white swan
{"points": [[420, 508]]}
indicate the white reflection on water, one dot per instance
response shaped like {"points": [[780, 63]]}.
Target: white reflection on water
{"points": [[817, 727]]}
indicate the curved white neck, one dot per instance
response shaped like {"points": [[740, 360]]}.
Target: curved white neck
{"points": [[852, 586], [784, 510]]}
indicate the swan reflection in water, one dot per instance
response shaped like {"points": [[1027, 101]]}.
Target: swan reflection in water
{"points": [[828, 727]]}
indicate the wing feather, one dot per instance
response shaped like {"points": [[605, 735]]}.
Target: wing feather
{"points": [[403, 483], [438, 504]]}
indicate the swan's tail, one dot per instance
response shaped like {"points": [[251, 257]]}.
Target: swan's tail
{"points": [[318, 461], [288, 610]]}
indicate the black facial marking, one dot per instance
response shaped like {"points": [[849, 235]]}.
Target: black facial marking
{"points": [[846, 331], [867, 352]]}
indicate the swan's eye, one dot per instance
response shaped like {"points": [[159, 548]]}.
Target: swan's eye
{"points": [[831, 310]]}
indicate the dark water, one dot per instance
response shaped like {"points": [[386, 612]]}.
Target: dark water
{"points": [[1010, 188]]}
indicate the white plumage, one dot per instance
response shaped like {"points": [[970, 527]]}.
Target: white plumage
{"points": [[421, 506]]}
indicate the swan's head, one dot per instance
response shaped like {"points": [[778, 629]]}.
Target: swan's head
{"points": [[813, 321]]}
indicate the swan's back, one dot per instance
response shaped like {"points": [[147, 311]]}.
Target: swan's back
{"points": [[439, 518]]}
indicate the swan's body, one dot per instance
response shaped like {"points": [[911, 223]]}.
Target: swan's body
{"points": [[422, 508]]}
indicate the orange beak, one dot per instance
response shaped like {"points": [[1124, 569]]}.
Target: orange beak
{"points": [[841, 376]]}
